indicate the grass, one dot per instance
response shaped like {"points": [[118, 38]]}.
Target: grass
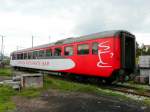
{"points": [[147, 102], [67, 86], [5, 72], [6, 94], [30, 93], [78, 87], [140, 87], [63, 85]]}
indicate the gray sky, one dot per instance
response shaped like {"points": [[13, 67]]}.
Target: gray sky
{"points": [[51, 20]]}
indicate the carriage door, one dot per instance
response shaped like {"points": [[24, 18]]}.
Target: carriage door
{"points": [[127, 51]]}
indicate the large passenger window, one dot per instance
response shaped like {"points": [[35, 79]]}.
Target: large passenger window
{"points": [[68, 51], [29, 55], [48, 52], [18, 56], [83, 49], [35, 54], [95, 48], [24, 55], [14, 56], [21, 56], [41, 54], [57, 52]]}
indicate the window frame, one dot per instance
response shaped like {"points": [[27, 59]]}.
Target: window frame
{"points": [[30, 52], [55, 50], [14, 56], [72, 50], [51, 53], [18, 56], [83, 44], [96, 53], [21, 56], [42, 56], [24, 55], [37, 55]]}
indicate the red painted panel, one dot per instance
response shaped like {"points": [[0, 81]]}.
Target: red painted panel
{"points": [[103, 64]]}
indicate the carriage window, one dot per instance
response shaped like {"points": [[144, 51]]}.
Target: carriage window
{"points": [[57, 52], [21, 56], [95, 48], [35, 54], [83, 49], [29, 55], [25, 56], [14, 57], [18, 56], [41, 53], [48, 52], [69, 51]]}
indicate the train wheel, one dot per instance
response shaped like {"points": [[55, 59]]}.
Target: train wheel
{"points": [[108, 81]]}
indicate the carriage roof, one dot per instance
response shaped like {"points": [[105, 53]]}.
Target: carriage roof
{"points": [[78, 39]]}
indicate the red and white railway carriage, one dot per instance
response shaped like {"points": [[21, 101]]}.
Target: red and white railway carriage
{"points": [[103, 54]]}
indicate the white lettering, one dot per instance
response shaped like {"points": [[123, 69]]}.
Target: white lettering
{"points": [[104, 49]]}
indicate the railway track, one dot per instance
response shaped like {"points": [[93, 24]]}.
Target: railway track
{"points": [[116, 87], [129, 90]]}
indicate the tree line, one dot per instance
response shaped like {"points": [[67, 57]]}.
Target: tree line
{"points": [[142, 50]]}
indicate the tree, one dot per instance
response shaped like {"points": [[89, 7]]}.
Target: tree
{"points": [[138, 50], [148, 51]]}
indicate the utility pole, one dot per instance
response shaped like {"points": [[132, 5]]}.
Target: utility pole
{"points": [[2, 47], [32, 41], [17, 47], [49, 39]]}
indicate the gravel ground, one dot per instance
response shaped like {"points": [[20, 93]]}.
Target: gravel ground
{"points": [[56, 101]]}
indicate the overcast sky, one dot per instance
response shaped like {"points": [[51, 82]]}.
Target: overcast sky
{"points": [[51, 20]]}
